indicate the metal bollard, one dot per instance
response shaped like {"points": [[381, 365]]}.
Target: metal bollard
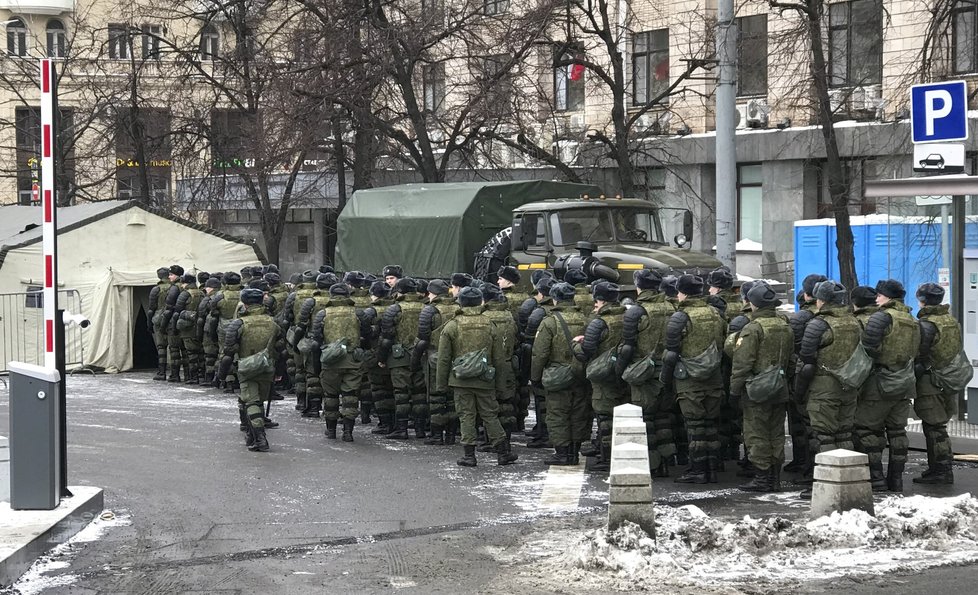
{"points": [[35, 426]]}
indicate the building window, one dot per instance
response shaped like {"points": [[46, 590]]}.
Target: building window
{"points": [[568, 83], [34, 297], [752, 55], [495, 6], [210, 43], [27, 122], [303, 245], [119, 41], [749, 202], [57, 40], [151, 40], [855, 43], [650, 65], [495, 83], [963, 35], [16, 38], [433, 83]]}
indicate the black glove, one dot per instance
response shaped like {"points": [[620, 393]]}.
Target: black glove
{"points": [[668, 367], [223, 370]]}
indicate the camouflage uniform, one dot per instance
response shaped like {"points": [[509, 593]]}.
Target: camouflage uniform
{"points": [[399, 334], [340, 380], [287, 321], [892, 337], [603, 333], [468, 332], [799, 425], [224, 307], [186, 313], [499, 313], [253, 331], [568, 410], [766, 341], [693, 330], [441, 406], [308, 361], [381, 388], [157, 305], [940, 343], [643, 336]]}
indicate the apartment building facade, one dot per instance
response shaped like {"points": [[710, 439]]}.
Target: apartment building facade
{"points": [[561, 97]]}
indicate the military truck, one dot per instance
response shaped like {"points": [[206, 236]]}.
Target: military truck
{"points": [[434, 230]]}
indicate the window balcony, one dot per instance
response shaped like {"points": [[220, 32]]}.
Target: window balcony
{"points": [[49, 7]]}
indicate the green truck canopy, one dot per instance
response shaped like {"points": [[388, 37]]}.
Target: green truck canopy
{"points": [[433, 230]]}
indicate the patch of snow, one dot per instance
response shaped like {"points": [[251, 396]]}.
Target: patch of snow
{"points": [[36, 579], [692, 549]]}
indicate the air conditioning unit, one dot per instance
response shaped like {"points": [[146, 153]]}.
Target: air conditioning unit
{"points": [[867, 98], [836, 99], [757, 111], [742, 116], [577, 122]]}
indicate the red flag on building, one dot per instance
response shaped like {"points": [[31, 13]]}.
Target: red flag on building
{"points": [[577, 72]]}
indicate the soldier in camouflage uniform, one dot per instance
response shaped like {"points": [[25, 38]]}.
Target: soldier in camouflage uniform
{"points": [[729, 303], [381, 389], [829, 340], [224, 307], [207, 329], [185, 322], [569, 409], [169, 322], [799, 425], [940, 344], [603, 334], [441, 407], [157, 303], [287, 321], [892, 338], [338, 324], [391, 274], [398, 336], [764, 346], [307, 352], [469, 332], [529, 317], [360, 294], [643, 337], [253, 331], [693, 334], [582, 293], [499, 312]]}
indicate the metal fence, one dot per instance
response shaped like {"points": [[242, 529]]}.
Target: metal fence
{"points": [[21, 328]]}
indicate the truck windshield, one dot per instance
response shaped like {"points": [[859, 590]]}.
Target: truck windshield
{"points": [[602, 225]]}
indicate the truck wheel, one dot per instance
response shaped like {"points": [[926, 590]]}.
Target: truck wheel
{"points": [[492, 256]]}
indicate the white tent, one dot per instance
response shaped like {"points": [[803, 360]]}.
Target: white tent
{"points": [[109, 252]]}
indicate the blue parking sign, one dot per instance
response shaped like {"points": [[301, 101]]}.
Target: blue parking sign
{"points": [[939, 112]]}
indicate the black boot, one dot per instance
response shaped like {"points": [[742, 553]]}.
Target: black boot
{"points": [[876, 477], [419, 427], [561, 456], [451, 432], [400, 431], [799, 457], [747, 470], [365, 408], [713, 463], [331, 429], [384, 425], [575, 453], [313, 407], [763, 482], [174, 374], [261, 442], [243, 417], [468, 459], [808, 473], [485, 446], [603, 464], [589, 449], [269, 424], [249, 437], [662, 470], [348, 429], [695, 474], [894, 477], [941, 475], [504, 454], [437, 436], [300, 401], [160, 372]]}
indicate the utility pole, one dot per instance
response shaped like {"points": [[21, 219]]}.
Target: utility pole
{"points": [[726, 140]]}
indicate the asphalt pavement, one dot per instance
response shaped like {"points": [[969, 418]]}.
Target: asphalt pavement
{"points": [[201, 514]]}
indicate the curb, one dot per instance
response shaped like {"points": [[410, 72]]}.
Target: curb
{"points": [[25, 535]]}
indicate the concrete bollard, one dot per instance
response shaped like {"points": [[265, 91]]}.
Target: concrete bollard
{"points": [[841, 483], [630, 477]]}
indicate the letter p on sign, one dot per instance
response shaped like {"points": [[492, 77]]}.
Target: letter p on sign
{"points": [[939, 112]]}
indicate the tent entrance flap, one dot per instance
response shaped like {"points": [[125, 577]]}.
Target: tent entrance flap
{"points": [[143, 347]]}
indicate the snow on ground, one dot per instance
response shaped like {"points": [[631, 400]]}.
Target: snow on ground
{"points": [[37, 580], [693, 550]]}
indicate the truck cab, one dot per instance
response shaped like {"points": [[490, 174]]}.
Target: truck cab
{"points": [[608, 238]]}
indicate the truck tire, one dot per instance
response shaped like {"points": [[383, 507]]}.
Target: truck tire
{"points": [[492, 256]]}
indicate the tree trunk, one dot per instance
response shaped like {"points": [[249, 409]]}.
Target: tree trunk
{"points": [[834, 174]]}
